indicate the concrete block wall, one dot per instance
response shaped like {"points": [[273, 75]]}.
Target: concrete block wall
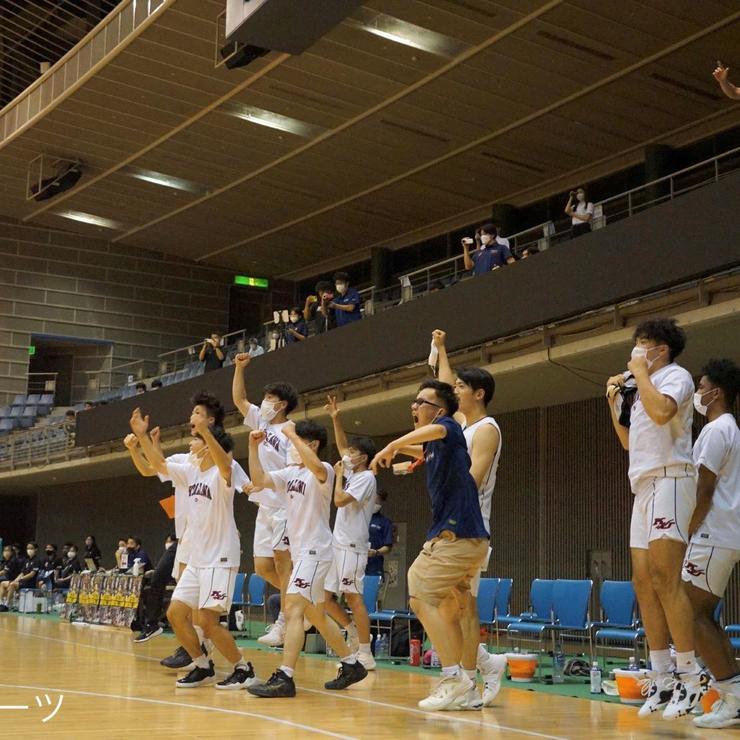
{"points": [[58, 283]]}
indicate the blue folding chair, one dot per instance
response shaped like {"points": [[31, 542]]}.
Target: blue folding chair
{"points": [[618, 621], [487, 603], [733, 632], [237, 599], [256, 588]]}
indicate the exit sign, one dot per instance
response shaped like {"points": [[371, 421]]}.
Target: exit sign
{"points": [[31, 350], [251, 282]]}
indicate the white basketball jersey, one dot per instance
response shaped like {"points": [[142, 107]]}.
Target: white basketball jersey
{"points": [[485, 492]]}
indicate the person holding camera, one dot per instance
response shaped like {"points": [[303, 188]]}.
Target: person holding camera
{"points": [[657, 434], [318, 310], [493, 250], [580, 210], [211, 354]]}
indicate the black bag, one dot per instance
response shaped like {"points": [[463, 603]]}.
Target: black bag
{"points": [[400, 636]]}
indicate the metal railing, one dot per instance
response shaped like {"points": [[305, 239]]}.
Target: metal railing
{"points": [[39, 445], [42, 383], [80, 61]]}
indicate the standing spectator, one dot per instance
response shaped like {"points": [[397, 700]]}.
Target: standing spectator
{"points": [[720, 74], [140, 388], [493, 252], [92, 551], [25, 579], [254, 348], [581, 212], [69, 566], [381, 537], [297, 329], [211, 354], [152, 599], [49, 565], [318, 311], [347, 302], [136, 552]]}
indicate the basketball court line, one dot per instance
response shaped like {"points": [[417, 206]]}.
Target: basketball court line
{"points": [[219, 710], [334, 695]]}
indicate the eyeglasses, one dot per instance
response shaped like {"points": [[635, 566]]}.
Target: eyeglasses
{"points": [[422, 401]]}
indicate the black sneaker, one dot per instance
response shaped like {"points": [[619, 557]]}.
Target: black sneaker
{"points": [[151, 630], [279, 685], [178, 659], [349, 673], [197, 677], [242, 678], [4, 608]]}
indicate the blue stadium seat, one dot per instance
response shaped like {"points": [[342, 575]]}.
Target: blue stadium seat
{"points": [[33, 399], [487, 601], [618, 619], [20, 400]]}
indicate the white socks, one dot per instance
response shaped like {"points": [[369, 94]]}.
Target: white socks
{"points": [[661, 661], [202, 662], [686, 663], [287, 670], [351, 659], [450, 671]]}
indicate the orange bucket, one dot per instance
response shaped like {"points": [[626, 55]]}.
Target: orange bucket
{"points": [[708, 699], [522, 666], [628, 684]]}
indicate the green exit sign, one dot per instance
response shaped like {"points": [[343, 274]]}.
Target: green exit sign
{"points": [[31, 350], [251, 282]]}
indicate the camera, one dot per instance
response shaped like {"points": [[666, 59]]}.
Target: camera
{"points": [[468, 240], [628, 391]]}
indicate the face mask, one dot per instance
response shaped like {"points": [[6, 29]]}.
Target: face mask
{"points": [[377, 508], [348, 463], [30, 552], [643, 352], [699, 406], [50, 553], [294, 457], [131, 549], [485, 239], [341, 288], [71, 554], [294, 319], [268, 410]]}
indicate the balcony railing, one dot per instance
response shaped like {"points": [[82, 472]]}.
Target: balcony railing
{"points": [[39, 445]]}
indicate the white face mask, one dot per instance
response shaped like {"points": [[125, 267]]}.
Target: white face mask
{"points": [[377, 508], [268, 410], [294, 457], [643, 352], [348, 464], [341, 288], [485, 239], [294, 319], [30, 552], [699, 406]]}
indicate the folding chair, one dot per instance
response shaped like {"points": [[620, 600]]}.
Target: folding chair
{"points": [[256, 588], [487, 603], [502, 612], [618, 616]]}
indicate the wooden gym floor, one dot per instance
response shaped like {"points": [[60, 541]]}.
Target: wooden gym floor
{"points": [[112, 688]]}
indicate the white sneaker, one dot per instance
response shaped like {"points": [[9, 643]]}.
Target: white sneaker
{"points": [[492, 668], [725, 713], [445, 692], [366, 660], [687, 692], [658, 688], [274, 636], [353, 639], [469, 702]]}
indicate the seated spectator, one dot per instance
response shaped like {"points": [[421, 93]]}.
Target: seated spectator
{"points": [[92, 551], [720, 74], [89, 405], [580, 211], [70, 415], [65, 549], [140, 388], [493, 252], [152, 601], [136, 552], [25, 579], [347, 302], [381, 537], [254, 349], [49, 565], [156, 384], [10, 566], [121, 555], [317, 311], [529, 252], [67, 568], [297, 329], [210, 353]]}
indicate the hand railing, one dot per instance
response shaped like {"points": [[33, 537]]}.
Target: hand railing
{"points": [[40, 444]]}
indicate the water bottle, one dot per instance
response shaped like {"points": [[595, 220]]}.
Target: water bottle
{"points": [[558, 664], [381, 647], [595, 678], [435, 661], [633, 664]]}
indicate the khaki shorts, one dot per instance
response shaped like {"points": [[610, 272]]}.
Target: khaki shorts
{"points": [[443, 565]]}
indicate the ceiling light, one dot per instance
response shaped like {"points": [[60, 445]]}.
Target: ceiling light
{"points": [[408, 34], [167, 181], [88, 218], [263, 117]]}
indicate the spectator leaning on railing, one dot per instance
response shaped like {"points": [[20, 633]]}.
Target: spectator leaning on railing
{"points": [[297, 329], [318, 309], [211, 354], [493, 252], [347, 301], [254, 349], [580, 211]]}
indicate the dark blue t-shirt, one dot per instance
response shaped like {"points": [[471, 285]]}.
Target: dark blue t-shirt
{"points": [[300, 326], [455, 504], [381, 534], [350, 298], [494, 255]]}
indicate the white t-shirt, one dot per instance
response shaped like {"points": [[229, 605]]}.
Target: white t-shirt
{"points": [[181, 495], [211, 526], [653, 447], [485, 492], [352, 524], [273, 453], [309, 507], [718, 450], [239, 478], [582, 209]]}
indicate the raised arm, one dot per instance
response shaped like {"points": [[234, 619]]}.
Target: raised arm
{"points": [[202, 354], [720, 74], [238, 388], [140, 462], [445, 373], [221, 458], [427, 433], [308, 456], [467, 259], [260, 479], [339, 434], [140, 426]]}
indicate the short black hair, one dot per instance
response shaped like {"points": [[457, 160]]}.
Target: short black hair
{"points": [[156, 383], [663, 331], [311, 431], [382, 494], [323, 285], [70, 412], [221, 436], [140, 384], [724, 374], [342, 277], [51, 545], [296, 309], [445, 394], [285, 392], [365, 446], [137, 540], [478, 379], [214, 407], [491, 229]]}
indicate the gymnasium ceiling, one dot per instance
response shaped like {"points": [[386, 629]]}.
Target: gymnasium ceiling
{"points": [[384, 143]]}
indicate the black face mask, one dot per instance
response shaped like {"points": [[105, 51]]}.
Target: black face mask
{"points": [[131, 549], [49, 553]]}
